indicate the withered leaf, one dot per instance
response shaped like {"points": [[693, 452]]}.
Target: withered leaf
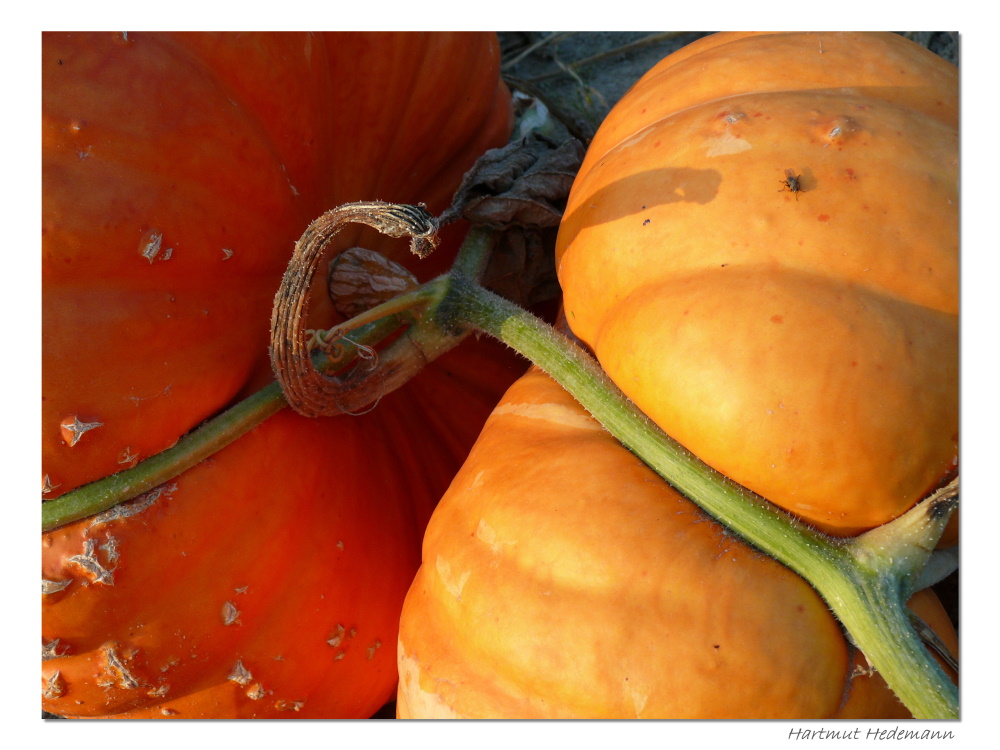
{"points": [[524, 184]]}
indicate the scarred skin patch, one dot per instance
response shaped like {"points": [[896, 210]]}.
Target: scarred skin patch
{"points": [[92, 566], [52, 587], [230, 614], [451, 583], [72, 429], [55, 686], [555, 413], [50, 650], [488, 535], [134, 507], [116, 670], [727, 143], [240, 674], [337, 637], [256, 691]]}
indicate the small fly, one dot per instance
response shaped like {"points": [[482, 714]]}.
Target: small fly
{"points": [[792, 183]]}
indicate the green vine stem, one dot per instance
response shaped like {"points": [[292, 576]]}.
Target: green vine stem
{"points": [[151, 472], [865, 580]]}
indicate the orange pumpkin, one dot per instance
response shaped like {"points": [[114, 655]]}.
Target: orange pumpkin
{"points": [[178, 171], [761, 248], [562, 578]]}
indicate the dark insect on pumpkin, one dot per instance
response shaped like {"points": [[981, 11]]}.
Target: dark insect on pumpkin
{"points": [[792, 183]]}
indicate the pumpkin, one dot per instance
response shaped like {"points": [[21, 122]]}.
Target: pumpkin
{"points": [[761, 249], [562, 578], [178, 172]]}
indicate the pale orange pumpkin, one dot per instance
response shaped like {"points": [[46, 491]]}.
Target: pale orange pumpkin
{"points": [[562, 578], [803, 342]]}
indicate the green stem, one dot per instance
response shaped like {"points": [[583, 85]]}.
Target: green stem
{"points": [[195, 447], [474, 254], [871, 607], [868, 603]]}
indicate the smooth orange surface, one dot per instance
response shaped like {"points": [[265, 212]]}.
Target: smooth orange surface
{"points": [[805, 344], [229, 145], [562, 578]]}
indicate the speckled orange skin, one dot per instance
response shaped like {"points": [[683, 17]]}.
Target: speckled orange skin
{"points": [[562, 578], [805, 344], [304, 526]]}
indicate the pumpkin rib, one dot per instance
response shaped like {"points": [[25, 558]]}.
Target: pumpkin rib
{"points": [[735, 62]]}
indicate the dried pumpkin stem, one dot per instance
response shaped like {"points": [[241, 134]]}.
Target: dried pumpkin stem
{"points": [[309, 391], [867, 596]]}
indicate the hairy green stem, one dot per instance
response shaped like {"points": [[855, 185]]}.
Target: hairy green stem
{"points": [[195, 447]]}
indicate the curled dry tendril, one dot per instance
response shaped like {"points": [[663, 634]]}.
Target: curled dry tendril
{"points": [[307, 390]]}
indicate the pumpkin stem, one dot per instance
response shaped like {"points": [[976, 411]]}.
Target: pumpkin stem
{"points": [[309, 391], [905, 545]]}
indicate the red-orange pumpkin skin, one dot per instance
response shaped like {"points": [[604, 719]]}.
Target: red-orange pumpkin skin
{"points": [[265, 582], [803, 343], [563, 579]]}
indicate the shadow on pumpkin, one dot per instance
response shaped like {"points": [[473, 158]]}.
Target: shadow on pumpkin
{"points": [[638, 192]]}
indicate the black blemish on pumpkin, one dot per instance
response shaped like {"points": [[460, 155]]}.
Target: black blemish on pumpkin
{"points": [[645, 222], [941, 507]]}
